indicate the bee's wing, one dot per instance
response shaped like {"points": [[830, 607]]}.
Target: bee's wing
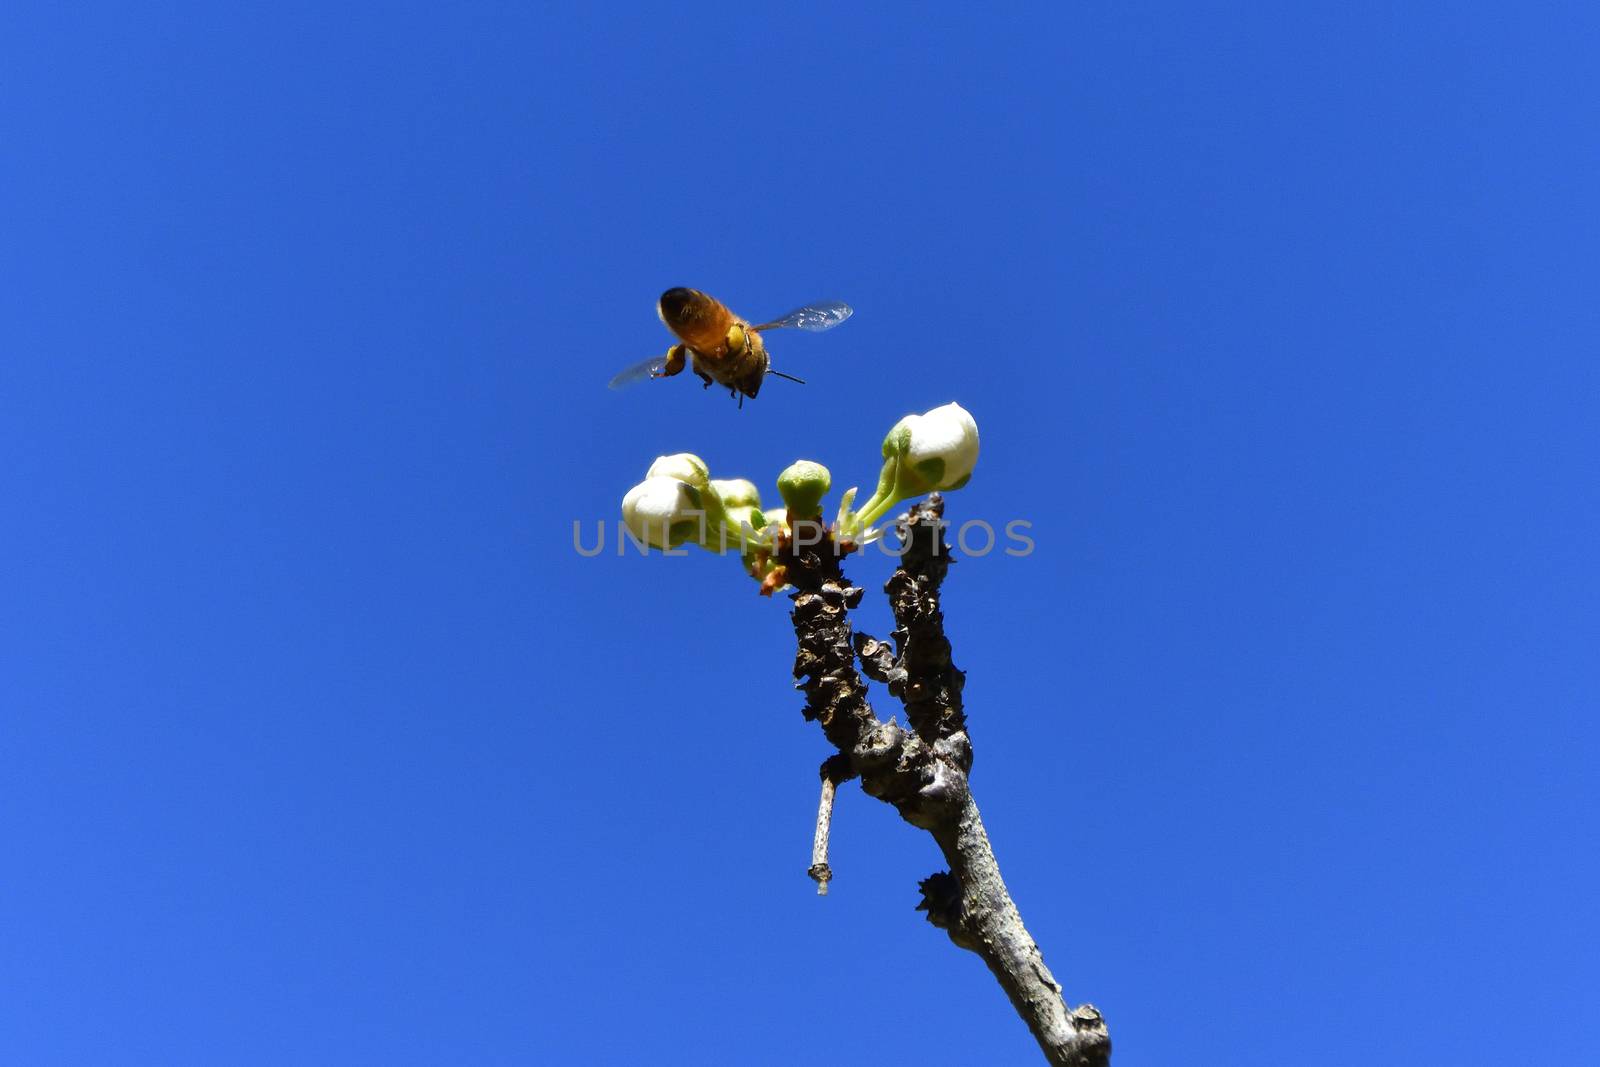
{"points": [[812, 317], [650, 368]]}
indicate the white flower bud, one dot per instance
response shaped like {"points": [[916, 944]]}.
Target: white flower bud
{"points": [[664, 512], [737, 492], [741, 505], [937, 450], [684, 466]]}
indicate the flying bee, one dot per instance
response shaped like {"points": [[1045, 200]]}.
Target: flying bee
{"points": [[719, 346]]}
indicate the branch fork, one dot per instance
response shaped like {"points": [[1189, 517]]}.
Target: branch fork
{"points": [[923, 771]]}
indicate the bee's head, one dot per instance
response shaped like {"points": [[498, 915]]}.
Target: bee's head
{"points": [[679, 304]]}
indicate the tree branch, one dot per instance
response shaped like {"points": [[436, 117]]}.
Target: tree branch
{"points": [[923, 773]]}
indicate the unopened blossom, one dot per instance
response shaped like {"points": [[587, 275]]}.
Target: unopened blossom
{"points": [[934, 451], [664, 512]]}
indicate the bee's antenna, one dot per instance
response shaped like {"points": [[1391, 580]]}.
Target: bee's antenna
{"points": [[791, 377]]}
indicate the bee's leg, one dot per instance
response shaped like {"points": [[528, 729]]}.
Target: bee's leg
{"points": [[736, 342], [675, 361]]}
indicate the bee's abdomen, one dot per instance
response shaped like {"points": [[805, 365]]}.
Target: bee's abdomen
{"points": [[700, 321]]}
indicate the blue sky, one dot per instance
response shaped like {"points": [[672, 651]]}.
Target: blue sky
{"points": [[321, 745]]}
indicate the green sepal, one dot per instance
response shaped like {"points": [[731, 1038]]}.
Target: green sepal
{"points": [[898, 440]]}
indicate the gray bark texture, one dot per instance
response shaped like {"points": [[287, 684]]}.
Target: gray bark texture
{"points": [[923, 771]]}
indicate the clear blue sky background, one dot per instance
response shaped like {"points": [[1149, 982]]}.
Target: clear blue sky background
{"points": [[321, 745]]}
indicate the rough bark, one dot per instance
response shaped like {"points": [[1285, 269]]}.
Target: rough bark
{"points": [[923, 772]]}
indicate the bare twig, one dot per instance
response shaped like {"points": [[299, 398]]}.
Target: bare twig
{"points": [[820, 872], [923, 773], [835, 770]]}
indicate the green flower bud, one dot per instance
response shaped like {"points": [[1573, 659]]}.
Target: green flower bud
{"points": [[802, 486]]}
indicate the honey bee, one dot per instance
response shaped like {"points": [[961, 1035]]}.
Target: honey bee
{"points": [[719, 346]]}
